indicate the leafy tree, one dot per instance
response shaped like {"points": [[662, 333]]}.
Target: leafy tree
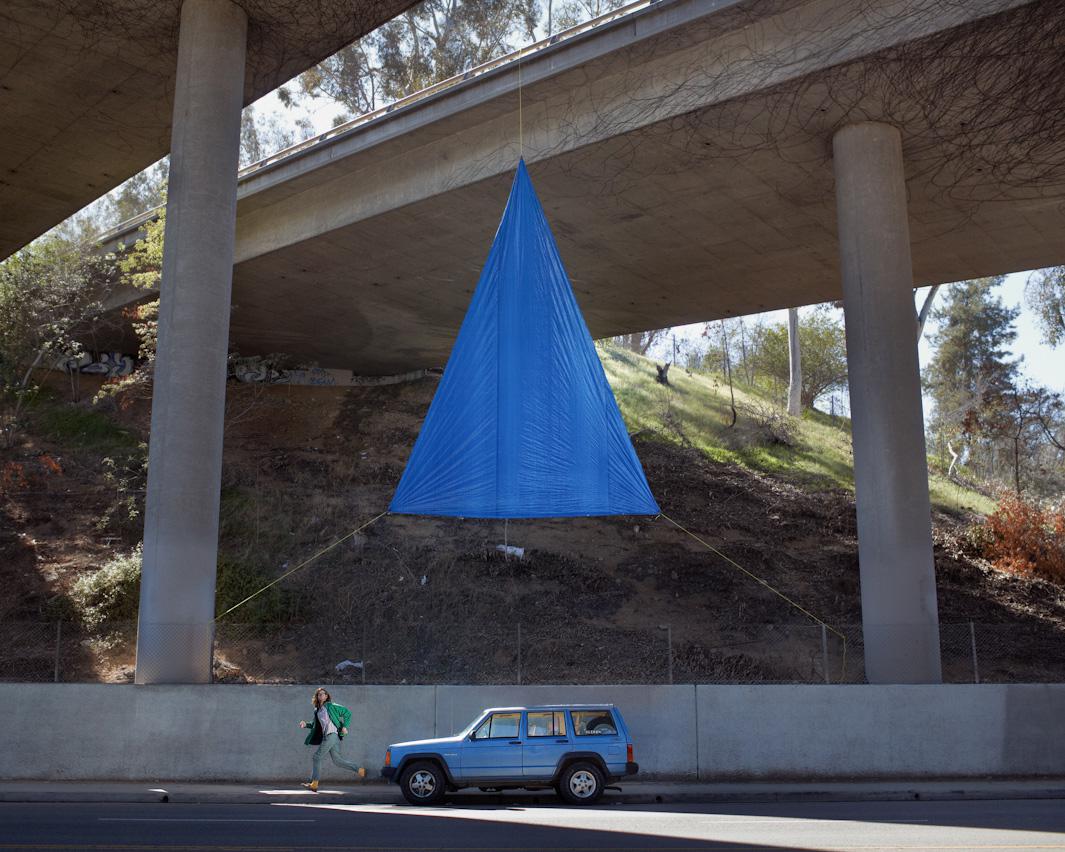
{"points": [[261, 136], [1010, 431], [141, 267], [573, 12], [1022, 428], [349, 77], [1046, 296], [970, 374], [824, 354], [49, 292], [430, 42], [141, 193]]}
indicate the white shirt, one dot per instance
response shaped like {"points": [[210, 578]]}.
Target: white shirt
{"points": [[327, 724]]}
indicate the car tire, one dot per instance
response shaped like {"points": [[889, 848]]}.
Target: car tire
{"points": [[423, 783], [581, 783]]}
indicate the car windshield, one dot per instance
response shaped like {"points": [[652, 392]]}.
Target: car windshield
{"points": [[498, 726], [480, 717]]}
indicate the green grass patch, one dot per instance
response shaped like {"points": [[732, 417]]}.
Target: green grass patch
{"points": [[75, 426], [952, 497], [696, 411]]}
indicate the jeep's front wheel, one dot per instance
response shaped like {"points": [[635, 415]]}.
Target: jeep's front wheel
{"points": [[581, 783], [423, 783]]}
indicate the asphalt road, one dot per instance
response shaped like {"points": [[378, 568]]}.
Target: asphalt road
{"points": [[959, 825]]}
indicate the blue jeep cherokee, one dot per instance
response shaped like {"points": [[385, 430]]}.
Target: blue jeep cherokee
{"points": [[575, 748]]}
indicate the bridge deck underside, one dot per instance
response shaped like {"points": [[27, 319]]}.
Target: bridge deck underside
{"points": [[682, 185], [86, 90], [716, 213]]}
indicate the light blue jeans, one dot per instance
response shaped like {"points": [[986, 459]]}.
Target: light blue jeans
{"points": [[331, 746]]}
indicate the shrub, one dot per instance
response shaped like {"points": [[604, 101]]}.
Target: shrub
{"points": [[111, 594], [773, 425], [1024, 537], [237, 580]]}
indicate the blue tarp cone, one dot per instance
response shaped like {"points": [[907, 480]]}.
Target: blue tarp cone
{"points": [[523, 423]]}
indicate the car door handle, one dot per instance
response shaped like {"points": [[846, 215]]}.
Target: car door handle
{"points": [[514, 742], [561, 741]]}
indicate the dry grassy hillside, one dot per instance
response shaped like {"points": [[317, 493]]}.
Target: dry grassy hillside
{"points": [[433, 600]]}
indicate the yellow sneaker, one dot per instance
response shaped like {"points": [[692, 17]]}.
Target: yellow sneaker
{"points": [[310, 785], [362, 772]]}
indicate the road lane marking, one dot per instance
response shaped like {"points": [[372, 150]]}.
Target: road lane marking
{"points": [[192, 819]]}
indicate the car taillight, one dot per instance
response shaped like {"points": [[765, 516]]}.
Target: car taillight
{"points": [[628, 753], [388, 756]]}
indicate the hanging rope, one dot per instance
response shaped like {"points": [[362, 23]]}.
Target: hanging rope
{"points": [[757, 579], [521, 126], [303, 564]]}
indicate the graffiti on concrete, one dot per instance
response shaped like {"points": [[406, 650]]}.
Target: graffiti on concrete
{"points": [[261, 371], [319, 377], [257, 371], [108, 364], [399, 378]]}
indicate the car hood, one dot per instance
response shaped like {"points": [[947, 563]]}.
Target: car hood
{"points": [[438, 741]]}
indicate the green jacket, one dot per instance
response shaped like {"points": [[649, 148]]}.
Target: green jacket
{"points": [[339, 715]]}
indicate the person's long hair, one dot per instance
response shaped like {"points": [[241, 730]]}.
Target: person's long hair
{"points": [[314, 700]]}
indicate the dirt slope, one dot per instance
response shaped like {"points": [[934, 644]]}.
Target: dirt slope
{"points": [[432, 600]]}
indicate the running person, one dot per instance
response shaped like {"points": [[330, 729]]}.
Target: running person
{"points": [[327, 730]]}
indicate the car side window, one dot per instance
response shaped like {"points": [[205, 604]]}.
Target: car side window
{"points": [[547, 724], [593, 723], [498, 726]]}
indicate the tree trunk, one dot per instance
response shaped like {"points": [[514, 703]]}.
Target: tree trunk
{"points": [[1017, 465], [794, 364], [922, 317], [743, 355]]}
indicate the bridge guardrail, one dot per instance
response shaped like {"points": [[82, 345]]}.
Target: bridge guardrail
{"points": [[408, 100]]}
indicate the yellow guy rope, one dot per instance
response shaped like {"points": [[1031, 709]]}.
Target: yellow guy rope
{"points": [[303, 564], [758, 579]]}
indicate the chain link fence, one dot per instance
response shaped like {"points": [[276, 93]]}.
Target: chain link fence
{"points": [[390, 652]]}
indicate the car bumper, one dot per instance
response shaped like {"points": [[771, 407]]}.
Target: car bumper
{"points": [[632, 768], [388, 772]]}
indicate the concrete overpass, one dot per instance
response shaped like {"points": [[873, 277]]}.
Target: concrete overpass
{"points": [[683, 154], [87, 90], [697, 159]]}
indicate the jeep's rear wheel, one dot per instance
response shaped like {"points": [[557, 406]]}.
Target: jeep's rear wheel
{"points": [[423, 783], [581, 783]]}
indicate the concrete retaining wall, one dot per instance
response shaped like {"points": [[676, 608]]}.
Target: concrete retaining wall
{"points": [[219, 732]]}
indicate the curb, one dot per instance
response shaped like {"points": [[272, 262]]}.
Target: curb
{"points": [[884, 795], [391, 796]]}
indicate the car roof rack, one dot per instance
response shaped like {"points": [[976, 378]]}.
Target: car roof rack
{"points": [[603, 706]]}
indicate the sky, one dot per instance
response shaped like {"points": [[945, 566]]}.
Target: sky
{"points": [[1040, 363]]}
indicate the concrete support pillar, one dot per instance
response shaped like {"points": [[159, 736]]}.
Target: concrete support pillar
{"points": [[175, 627], [900, 620]]}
